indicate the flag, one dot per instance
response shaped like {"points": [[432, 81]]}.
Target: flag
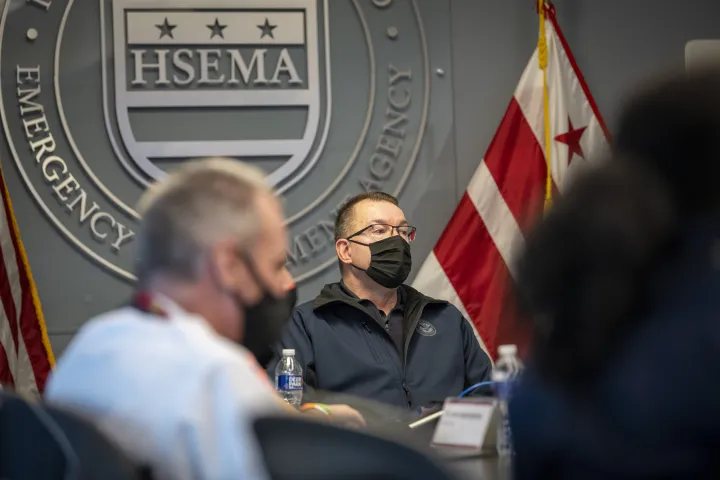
{"points": [[551, 129], [25, 354]]}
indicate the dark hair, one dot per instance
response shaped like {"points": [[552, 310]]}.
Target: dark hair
{"points": [[344, 218], [586, 269]]}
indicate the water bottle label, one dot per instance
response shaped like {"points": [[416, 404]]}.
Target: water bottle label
{"points": [[289, 382], [499, 376]]}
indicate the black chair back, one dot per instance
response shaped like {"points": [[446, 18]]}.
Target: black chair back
{"points": [[42, 442], [296, 449]]}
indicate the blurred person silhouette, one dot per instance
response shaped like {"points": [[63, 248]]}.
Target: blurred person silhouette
{"points": [[622, 281], [174, 377]]}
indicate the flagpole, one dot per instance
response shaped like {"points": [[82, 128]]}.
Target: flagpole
{"points": [[543, 60]]}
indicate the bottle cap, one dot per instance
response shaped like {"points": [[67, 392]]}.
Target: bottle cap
{"points": [[288, 352], [507, 350]]}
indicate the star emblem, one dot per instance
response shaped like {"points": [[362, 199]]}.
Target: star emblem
{"points": [[217, 29], [267, 29], [166, 29], [572, 140]]}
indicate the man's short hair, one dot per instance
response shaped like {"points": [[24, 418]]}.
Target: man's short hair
{"points": [[199, 204], [343, 221]]}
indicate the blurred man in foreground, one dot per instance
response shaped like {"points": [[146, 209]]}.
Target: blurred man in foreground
{"points": [[370, 335], [167, 377], [621, 281]]}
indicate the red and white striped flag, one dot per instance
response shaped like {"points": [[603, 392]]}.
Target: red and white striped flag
{"points": [[25, 354], [552, 120]]}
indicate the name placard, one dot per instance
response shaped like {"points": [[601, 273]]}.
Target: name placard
{"points": [[465, 423]]}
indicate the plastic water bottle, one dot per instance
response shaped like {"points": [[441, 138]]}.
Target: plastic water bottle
{"points": [[288, 378], [504, 374]]}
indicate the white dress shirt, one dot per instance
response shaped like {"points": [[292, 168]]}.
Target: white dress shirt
{"points": [[170, 391]]}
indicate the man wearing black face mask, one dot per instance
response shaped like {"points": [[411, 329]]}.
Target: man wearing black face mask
{"points": [[173, 376], [370, 335]]}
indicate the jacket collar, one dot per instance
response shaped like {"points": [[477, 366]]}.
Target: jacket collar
{"points": [[334, 293]]}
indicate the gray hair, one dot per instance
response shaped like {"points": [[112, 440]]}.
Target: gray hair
{"points": [[196, 206]]}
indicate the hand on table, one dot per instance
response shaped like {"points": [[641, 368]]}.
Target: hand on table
{"points": [[346, 415]]}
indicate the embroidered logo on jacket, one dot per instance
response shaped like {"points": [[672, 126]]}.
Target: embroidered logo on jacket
{"points": [[426, 329]]}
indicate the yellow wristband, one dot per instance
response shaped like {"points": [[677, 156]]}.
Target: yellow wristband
{"points": [[316, 406]]}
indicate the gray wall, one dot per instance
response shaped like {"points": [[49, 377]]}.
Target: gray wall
{"points": [[481, 46]]}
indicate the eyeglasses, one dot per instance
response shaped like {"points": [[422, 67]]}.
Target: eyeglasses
{"points": [[381, 231]]}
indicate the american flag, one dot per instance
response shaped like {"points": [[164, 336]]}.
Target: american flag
{"points": [[25, 354], [552, 120]]}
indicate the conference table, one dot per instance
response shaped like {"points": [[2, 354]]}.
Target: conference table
{"points": [[384, 421], [464, 466], [480, 468]]}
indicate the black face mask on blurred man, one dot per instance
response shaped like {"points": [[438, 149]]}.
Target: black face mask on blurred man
{"points": [[265, 321]]}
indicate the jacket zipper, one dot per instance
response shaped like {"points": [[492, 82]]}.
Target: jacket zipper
{"points": [[398, 366], [401, 368], [370, 341], [406, 348]]}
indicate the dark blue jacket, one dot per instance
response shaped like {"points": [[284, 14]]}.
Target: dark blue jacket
{"points": [[654, 410], [343, 348]]}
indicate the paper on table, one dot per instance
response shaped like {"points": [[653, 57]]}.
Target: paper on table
{"points": [[464, 423]]}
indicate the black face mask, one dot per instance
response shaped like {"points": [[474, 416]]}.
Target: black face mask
{"points": [[265, 321], [390, 261]]}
